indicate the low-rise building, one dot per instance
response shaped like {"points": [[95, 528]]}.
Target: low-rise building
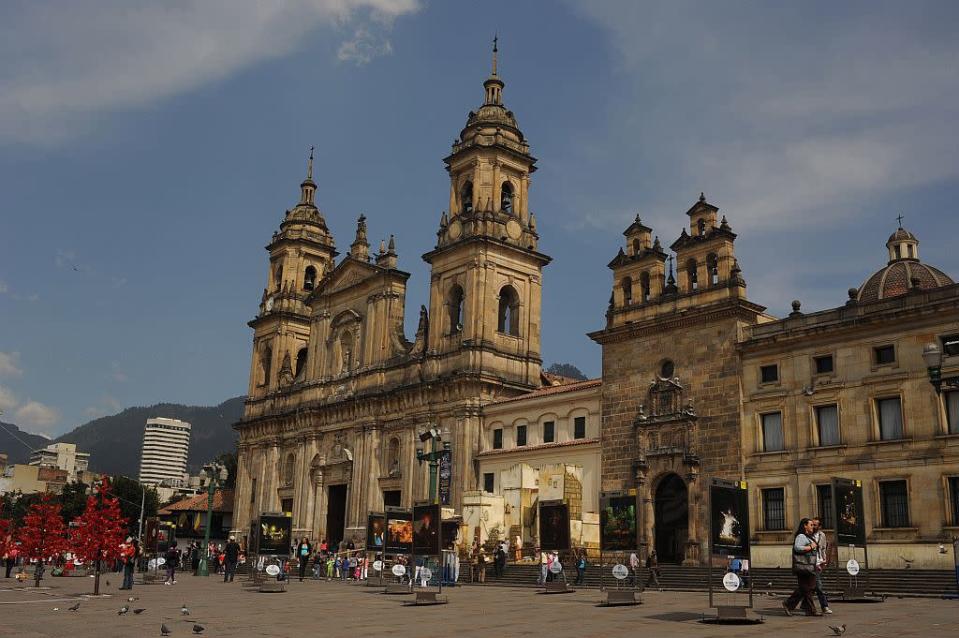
{"points": [[63, 456], [189, 516], [30, 479]]}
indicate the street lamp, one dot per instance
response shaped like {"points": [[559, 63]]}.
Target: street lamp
{"points": [[217, 474], [433, 456], [932, 356]]}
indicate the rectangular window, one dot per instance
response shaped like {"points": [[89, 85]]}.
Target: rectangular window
{"points": [[520, 435], [774, 508], [769, 374], [498, 439], [773, 432], [827, 422], [952, 411], [950, 345], [884, 355], [488, 479], [894, 502], [549, 432], [954, 498], [287, 505], [392, 498], [824, 499], [253, 491], [823, 364], [890, 418], [579, 427]]}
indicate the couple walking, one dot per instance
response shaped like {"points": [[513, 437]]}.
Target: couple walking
{"points": [[809, 557]]}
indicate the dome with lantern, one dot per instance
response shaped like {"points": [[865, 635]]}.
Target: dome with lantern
{"points": [[903, 273]]}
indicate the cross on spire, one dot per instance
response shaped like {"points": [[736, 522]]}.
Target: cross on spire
{"points": [[309, 165], [900, 220], [495, 49]]}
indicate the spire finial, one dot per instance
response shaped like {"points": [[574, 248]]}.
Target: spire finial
{"points": [[495, 49], [309, 165], [702, 196], [900, 220]]}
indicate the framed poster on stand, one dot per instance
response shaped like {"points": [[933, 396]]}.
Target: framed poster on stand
{"points": [[851, 571], [618, 538], [730, 590]]}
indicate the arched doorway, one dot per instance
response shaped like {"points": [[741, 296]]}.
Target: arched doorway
{"points": [[671, 519]]}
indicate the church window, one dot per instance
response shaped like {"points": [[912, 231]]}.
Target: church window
{"points": [[456, 309], [300, 363], [466, 197], [701, 226], [266, 364], [506, 198], [691, 275], [393, 457], [898, 252], [666, 369], [508, 311], [309, 278], [288, 470], [636, 247], [644, 286], [627, 285], [278, 276], [712, 267], [909, 248]]}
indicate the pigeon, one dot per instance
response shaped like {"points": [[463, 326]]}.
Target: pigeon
{"points": [[185, 610], [56, 609], [123, 610], [133, 599], [139, 611], [164, 630], [837, 631], [198, 629], [75, 607]]}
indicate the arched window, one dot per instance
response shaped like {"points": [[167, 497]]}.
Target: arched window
{"points": [[288, 469], [300, 363], [636, 246], [309, 278], [644, 285], [506, 198], [393, 457], [466, 197], [712, 267], [701, 225], [278, 276], [691, 275], [508, 311], [266, 365], [627, 285], [456, 298]]}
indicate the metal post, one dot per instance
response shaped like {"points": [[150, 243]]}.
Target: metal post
{"points": [[203, 569], [434, 470], [143, 501]]}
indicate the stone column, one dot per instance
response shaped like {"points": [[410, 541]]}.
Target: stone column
{"points": [[320, 504]]}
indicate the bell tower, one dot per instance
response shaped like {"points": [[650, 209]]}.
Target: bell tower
{"points": [[486, 285], [301, 254]]}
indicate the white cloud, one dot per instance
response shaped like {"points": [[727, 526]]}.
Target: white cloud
{"points": [[66, 64], [784, 115], [10, 364], [36, 414], [363, 47], [107, 405], [8, 400]]}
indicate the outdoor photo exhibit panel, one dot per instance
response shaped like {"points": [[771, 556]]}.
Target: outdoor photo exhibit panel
{"points": [[399, 531], [426, 530], [729, 519], [275, 534], [618, 522], [376, 532], [553, 526], [848, 509]]}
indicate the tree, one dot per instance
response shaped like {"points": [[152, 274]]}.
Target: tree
{"points": [[228, 460], [130, 493], [73, 500], [99, 531], [6, 535], [43, 533], [567, 370]]}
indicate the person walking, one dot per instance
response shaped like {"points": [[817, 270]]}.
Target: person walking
{"points": [[581, 567], [822, 559], [231, 556], [172, 558], [303, 554], [633, 569], [804, 567], [652, 564]]}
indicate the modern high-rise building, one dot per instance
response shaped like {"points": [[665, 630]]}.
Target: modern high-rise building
{"points": [[166, 443]]}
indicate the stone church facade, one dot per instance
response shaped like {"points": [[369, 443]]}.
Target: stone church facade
{"points": [[338, 395]]}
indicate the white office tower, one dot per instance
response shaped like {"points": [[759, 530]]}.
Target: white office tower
{"points": [[166, 443]]}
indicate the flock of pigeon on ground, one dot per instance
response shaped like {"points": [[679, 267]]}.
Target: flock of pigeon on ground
{"points": [[126, 609]]}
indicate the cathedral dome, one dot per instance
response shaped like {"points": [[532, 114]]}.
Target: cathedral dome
{"points": [[903, 273]]}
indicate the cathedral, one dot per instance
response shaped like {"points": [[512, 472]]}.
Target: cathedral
{"points": [[698, 381], [338, 395]]}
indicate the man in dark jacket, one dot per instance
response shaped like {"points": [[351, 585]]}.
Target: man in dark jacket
{"points": [[231, 557]]}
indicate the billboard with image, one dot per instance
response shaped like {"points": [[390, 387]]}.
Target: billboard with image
{"points": [[275, 534], [426, 529], [618, 522], [553, 526], [399, 531], [729, 518], [376, 533], [849, 512]]}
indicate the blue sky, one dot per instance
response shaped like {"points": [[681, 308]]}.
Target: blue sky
{"points": [[148, 151]]}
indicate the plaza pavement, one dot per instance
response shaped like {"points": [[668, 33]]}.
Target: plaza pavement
{"points": [[318, 608]]}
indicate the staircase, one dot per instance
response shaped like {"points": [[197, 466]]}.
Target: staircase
{"points": [[907, 582]]}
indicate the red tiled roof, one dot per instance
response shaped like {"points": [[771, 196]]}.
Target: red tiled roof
{"points": [[550, 390], [535, 448], [222, 502]]}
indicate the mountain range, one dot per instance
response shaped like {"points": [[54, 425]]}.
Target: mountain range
{"points": [[114, 441]]}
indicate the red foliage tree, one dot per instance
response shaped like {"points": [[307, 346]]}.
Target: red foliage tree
{"points": [[100, 530], [6, 536], [42, 534]]}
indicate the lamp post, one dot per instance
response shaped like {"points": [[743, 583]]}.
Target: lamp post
{"points": [[218, 475], [433, 457], [932, 356]]}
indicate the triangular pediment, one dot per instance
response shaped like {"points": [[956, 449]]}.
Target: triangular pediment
{"points": [[347, 274]]}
